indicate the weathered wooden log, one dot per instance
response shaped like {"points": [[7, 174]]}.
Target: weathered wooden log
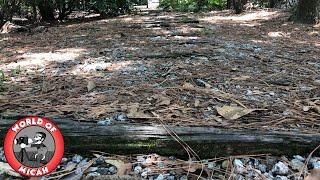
{"points": [[132, 138], [9, 27]]}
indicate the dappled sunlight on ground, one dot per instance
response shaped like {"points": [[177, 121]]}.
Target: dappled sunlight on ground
{"points": [[4, 39], [247, 18], [185, 38], [40, 60], [187, 29], [127, 19], [129, 59], [279, 34], [101, 66]]}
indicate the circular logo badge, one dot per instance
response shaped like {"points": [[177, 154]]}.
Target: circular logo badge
{"points": [[34, 146]]}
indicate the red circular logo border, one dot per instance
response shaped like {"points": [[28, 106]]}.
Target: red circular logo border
{"points": [[55, 160]]}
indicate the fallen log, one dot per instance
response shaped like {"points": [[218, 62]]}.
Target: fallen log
{"points": [[132, 138], [9, 27]]}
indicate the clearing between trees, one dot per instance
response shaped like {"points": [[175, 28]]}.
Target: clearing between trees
{"points": [[252, 71], [196, 85]]}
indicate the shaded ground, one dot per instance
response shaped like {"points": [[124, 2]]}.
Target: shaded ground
{"points": [[171, 67]]}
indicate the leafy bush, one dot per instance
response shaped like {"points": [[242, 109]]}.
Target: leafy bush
{"points": [[50, 10], [217, 3], [193, 5], [139, 2], [1, 75], [111, 8], [2, 78]]}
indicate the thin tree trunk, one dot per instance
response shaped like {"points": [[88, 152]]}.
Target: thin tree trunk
{"points": [[273, 3], [34, 10], [1, 18], [46, 10], [6, 11], [308, 11], [200, 4], [238, 6], [229, 4]]}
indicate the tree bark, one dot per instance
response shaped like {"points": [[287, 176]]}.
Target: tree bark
{"points": [[46, 10], [33, 5], [1, 18], [273, 3], [7, 11], [229, 4], [308, 11], [201, 4], [238, 6], [133, 138]]}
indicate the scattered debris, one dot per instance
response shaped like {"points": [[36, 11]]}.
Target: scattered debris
{"points": [[135, 113], [5, 168], [232, 112], [280, 169], [192, 64], [314, 175], [154, 166], [121, 117], [296, 164], [3, 99], [91, 85], [161, 100], [77, 158], [105, 122]]}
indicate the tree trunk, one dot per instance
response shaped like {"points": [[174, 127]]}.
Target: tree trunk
{"points": [[273, 3], [308, 11], [229, 4], [1, 18], [200, 4], [238, 6], [33, 5], [6, 11], [46, 10]]}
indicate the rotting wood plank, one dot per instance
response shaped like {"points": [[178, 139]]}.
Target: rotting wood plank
{"points": [[131, 138]]}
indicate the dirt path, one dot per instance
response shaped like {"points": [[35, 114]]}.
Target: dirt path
{"points": [[171, 67]]}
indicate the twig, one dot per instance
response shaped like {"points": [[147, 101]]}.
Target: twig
{"points": [[307, 161]]}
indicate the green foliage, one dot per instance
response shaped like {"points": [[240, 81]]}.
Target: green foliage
{"points": [[192, 5], [16, 71], [217, 3], [139, 2], [2, 78], [48, 9], [111, 7]]}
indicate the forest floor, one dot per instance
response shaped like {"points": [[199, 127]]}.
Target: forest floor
{"points": [[256, 70]]}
